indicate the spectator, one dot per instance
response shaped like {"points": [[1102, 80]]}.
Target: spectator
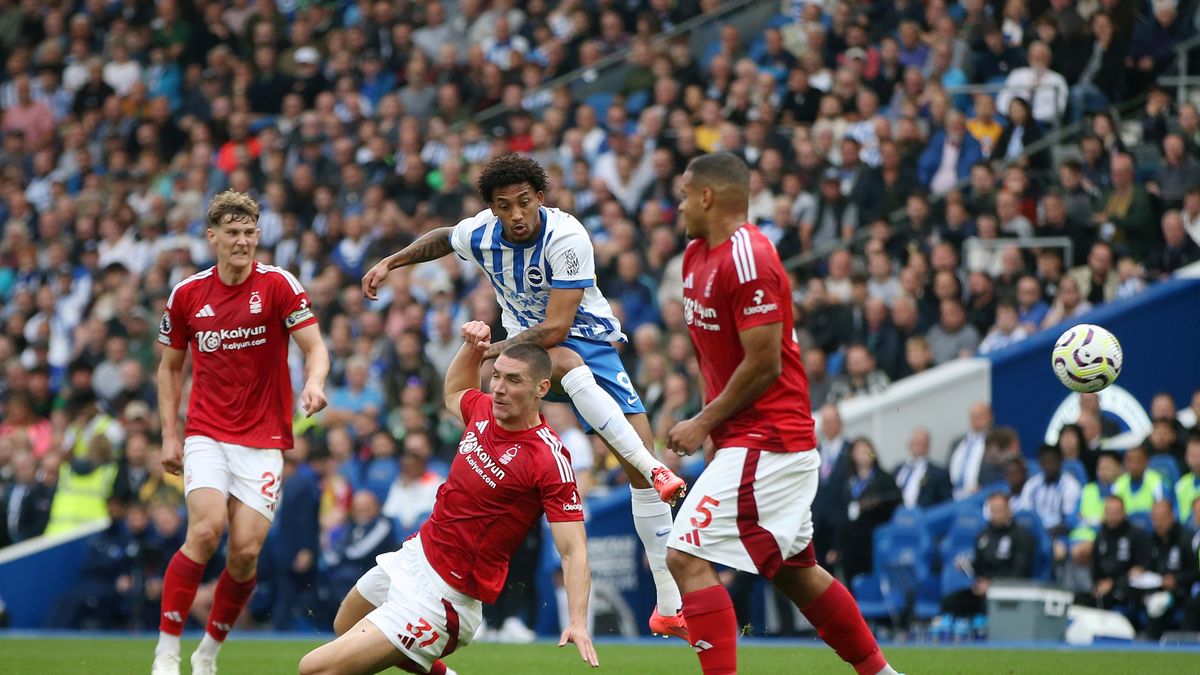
{"points": [[866, 500], [1097, 281], [1031, 308], [834, 450], [358, 543], [1171, 557], [1054, 496], [633, 290], [1004, 549], [862, 376], [1139, 487], [357, 397], [1189, 416], [881, 338], [1177, 175], [819, 381], [1068, 305], [84, 486], [1154, 40], [1022, 131], [1056, 221], [1188, 487], [966, 453], [1176, 250], [949, 157], [294, 544], [1103, 78], [831, 218], [24, 502], [1121, 551], [1126, 213], [1164, 440], [918, 357], [952, 338], [1007, 331], [922, 483], [411, 496], [1091, 506], [1045, 89], [984, 127], [132, 469]]}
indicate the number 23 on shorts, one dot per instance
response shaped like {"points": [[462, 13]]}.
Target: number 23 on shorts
{"points": [[703, 509]]}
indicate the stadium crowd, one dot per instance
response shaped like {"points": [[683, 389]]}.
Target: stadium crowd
{"points": [[358, 127]]}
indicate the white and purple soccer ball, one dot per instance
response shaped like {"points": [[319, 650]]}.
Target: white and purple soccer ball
{"points": [[1087, 358]]}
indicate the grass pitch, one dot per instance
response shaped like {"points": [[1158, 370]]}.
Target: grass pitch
{"points": [[118, 656]]}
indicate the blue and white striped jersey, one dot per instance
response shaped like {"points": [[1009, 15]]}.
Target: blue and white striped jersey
{"points": [[523, 274]]}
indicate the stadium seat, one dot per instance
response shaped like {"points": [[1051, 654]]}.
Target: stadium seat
{"points": [[961, 537], [865, 588], [1043, 558], [953, 580], [637, 101], [903, 554], [779, 21], [600, 102], [1167, 467], [940, 518], [1141, 519], [929, 598]]}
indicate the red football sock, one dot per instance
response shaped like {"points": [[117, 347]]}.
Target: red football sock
{"points": [[228, 600], [712, 626], [438, 668], [179, 589], [839, 623]]}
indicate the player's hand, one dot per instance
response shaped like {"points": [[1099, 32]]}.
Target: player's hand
{"points": [[172, 456], [312, 399], [579, 635], [373, 279], [687, 436], [477, 334]]}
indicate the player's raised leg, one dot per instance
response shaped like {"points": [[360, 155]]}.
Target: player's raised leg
{"points": [[248, 530], [355, 607], [627, 433], [362, 649], [206, 524], [831, 609]]}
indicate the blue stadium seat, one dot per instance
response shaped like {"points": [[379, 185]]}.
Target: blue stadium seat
{"points": [[1141, 519], [1168, 468], [954, 580], [903, 554], [865, 588], [929, 598], [1043, 558], [637, 101], [600, 102], [961, 537], [940, 518], [1075, 468], [778, 21]]}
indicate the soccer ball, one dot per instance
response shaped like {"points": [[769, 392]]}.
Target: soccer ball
{"points": [[1087, 358]]}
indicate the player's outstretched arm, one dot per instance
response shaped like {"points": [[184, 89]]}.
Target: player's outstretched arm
{"points": [[463, 373], [170, 389], [316, 368], [760, 367], [560, 314], [571, 542], [430, 246]]}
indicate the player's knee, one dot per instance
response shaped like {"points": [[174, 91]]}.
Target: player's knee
{"points": [[1081, 553], [242, 560], [313, 664], [679, 563], [203, 539], [565, 360]]}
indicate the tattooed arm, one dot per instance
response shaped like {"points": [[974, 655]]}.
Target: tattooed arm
{"points": [[430, 246], [560, 314]]}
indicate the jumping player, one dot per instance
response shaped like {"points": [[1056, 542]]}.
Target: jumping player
{"points": [[539, 261], [236, 318], [750, 509], [424, 601]]}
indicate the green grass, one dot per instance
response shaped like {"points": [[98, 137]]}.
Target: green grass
{"points": [[120, 656]]}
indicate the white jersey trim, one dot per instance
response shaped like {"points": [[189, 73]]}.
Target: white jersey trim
{"points": [[565, 472], [296, 287], [743, 257], [195, 277]]}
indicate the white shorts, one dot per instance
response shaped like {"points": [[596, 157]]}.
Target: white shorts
{"points": [[418, 612], [252, 475], [751, 510]]}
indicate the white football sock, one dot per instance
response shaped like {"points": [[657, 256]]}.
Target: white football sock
{"points": [[209, 648], [888, 670], [652, 520], [167, 644], [605, 416]]}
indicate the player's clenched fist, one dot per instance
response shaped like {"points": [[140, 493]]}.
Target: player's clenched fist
{"points": [[373, 279], [477, 334]]}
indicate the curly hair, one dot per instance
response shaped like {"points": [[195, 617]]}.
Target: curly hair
{"points": [[231, 206], [511, 169]]}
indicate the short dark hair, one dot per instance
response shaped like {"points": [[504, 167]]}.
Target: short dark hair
{"points": [[512, 169], [1050, 450], [538, 359], [721, 169]]}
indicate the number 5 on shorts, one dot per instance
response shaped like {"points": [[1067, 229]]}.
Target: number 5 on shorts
{"points": [[702, 508]]}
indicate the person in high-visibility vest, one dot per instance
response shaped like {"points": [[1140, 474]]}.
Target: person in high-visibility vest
{"points": [[1188, 487], [84, 485], [1091, 507], [1140, 487]]}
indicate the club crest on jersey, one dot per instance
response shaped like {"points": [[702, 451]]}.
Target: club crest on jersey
{"points": [[255, 303], [709, 284], [534, 276], [509, 455]]}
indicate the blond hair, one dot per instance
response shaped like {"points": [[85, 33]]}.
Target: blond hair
{"points": [[230, 206]]}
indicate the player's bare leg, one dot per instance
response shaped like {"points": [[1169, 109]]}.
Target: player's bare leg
{"points": [[829, 607], [247, 531], [598, 408], [354, 608], [206, 523], [362, 649], [711, 622]]}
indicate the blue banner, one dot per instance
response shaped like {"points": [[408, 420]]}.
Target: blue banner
{"points": [[1158, 331], [32, 584]]}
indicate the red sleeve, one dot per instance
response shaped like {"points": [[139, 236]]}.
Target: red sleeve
{"points": [[560, 494], [474, 405], [294, 307], [172, 328], [756, 294]]}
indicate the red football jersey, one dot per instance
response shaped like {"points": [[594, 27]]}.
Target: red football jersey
{"points": [[738, 285], [241, 389], [499, 485]]}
